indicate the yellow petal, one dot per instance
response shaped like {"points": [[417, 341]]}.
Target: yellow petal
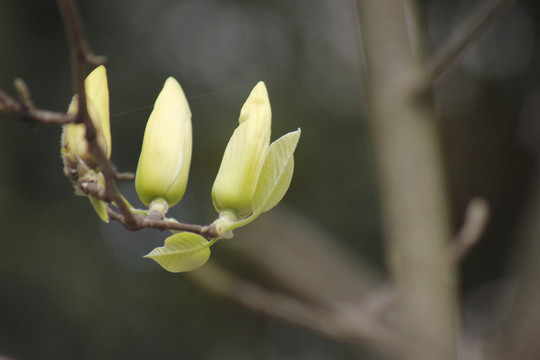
{"points": [[166, 151], [73, 138], [244, 155], [97, 92]]}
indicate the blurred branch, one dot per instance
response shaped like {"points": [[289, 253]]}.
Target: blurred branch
{"points": [[290, 256], [386, 295], [475, 25], [341, 324], [476, 218], [519, 336], [411, 180]]}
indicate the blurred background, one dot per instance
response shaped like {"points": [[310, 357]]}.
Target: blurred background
{"points": [[72, 287]]}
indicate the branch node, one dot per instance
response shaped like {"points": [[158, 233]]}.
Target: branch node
{"points": [[24, 93]]}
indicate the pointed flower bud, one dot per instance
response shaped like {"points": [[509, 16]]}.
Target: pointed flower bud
{"points": [[244, 156], [163, 167], [74, 145]]}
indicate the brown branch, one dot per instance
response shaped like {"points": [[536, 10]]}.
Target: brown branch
{"points": [[465, 34], [343, 324], [82, 56], [93, 189], [27, 111], [147, 222]]}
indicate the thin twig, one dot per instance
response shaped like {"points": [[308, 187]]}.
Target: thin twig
{"points": [[476, 218], [13, 106], [146, 222], [475, 25], [342, 324]]}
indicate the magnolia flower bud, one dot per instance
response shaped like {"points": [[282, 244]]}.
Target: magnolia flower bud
{"points": [[163, 167], [74, 144], [244, 156]]}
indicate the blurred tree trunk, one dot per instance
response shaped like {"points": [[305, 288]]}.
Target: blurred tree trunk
{"points": [[411, 179]]}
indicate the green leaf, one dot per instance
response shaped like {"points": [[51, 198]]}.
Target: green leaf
{"points": [[276, 173], [100, 207], [182, 252]]}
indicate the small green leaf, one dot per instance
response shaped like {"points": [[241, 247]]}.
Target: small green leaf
{"points": [[276, 173], [100, 207], [182, 252]]}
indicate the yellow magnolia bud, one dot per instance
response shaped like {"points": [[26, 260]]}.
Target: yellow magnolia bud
{"points": [[74, 144], [244, 156], [163, 167]]}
